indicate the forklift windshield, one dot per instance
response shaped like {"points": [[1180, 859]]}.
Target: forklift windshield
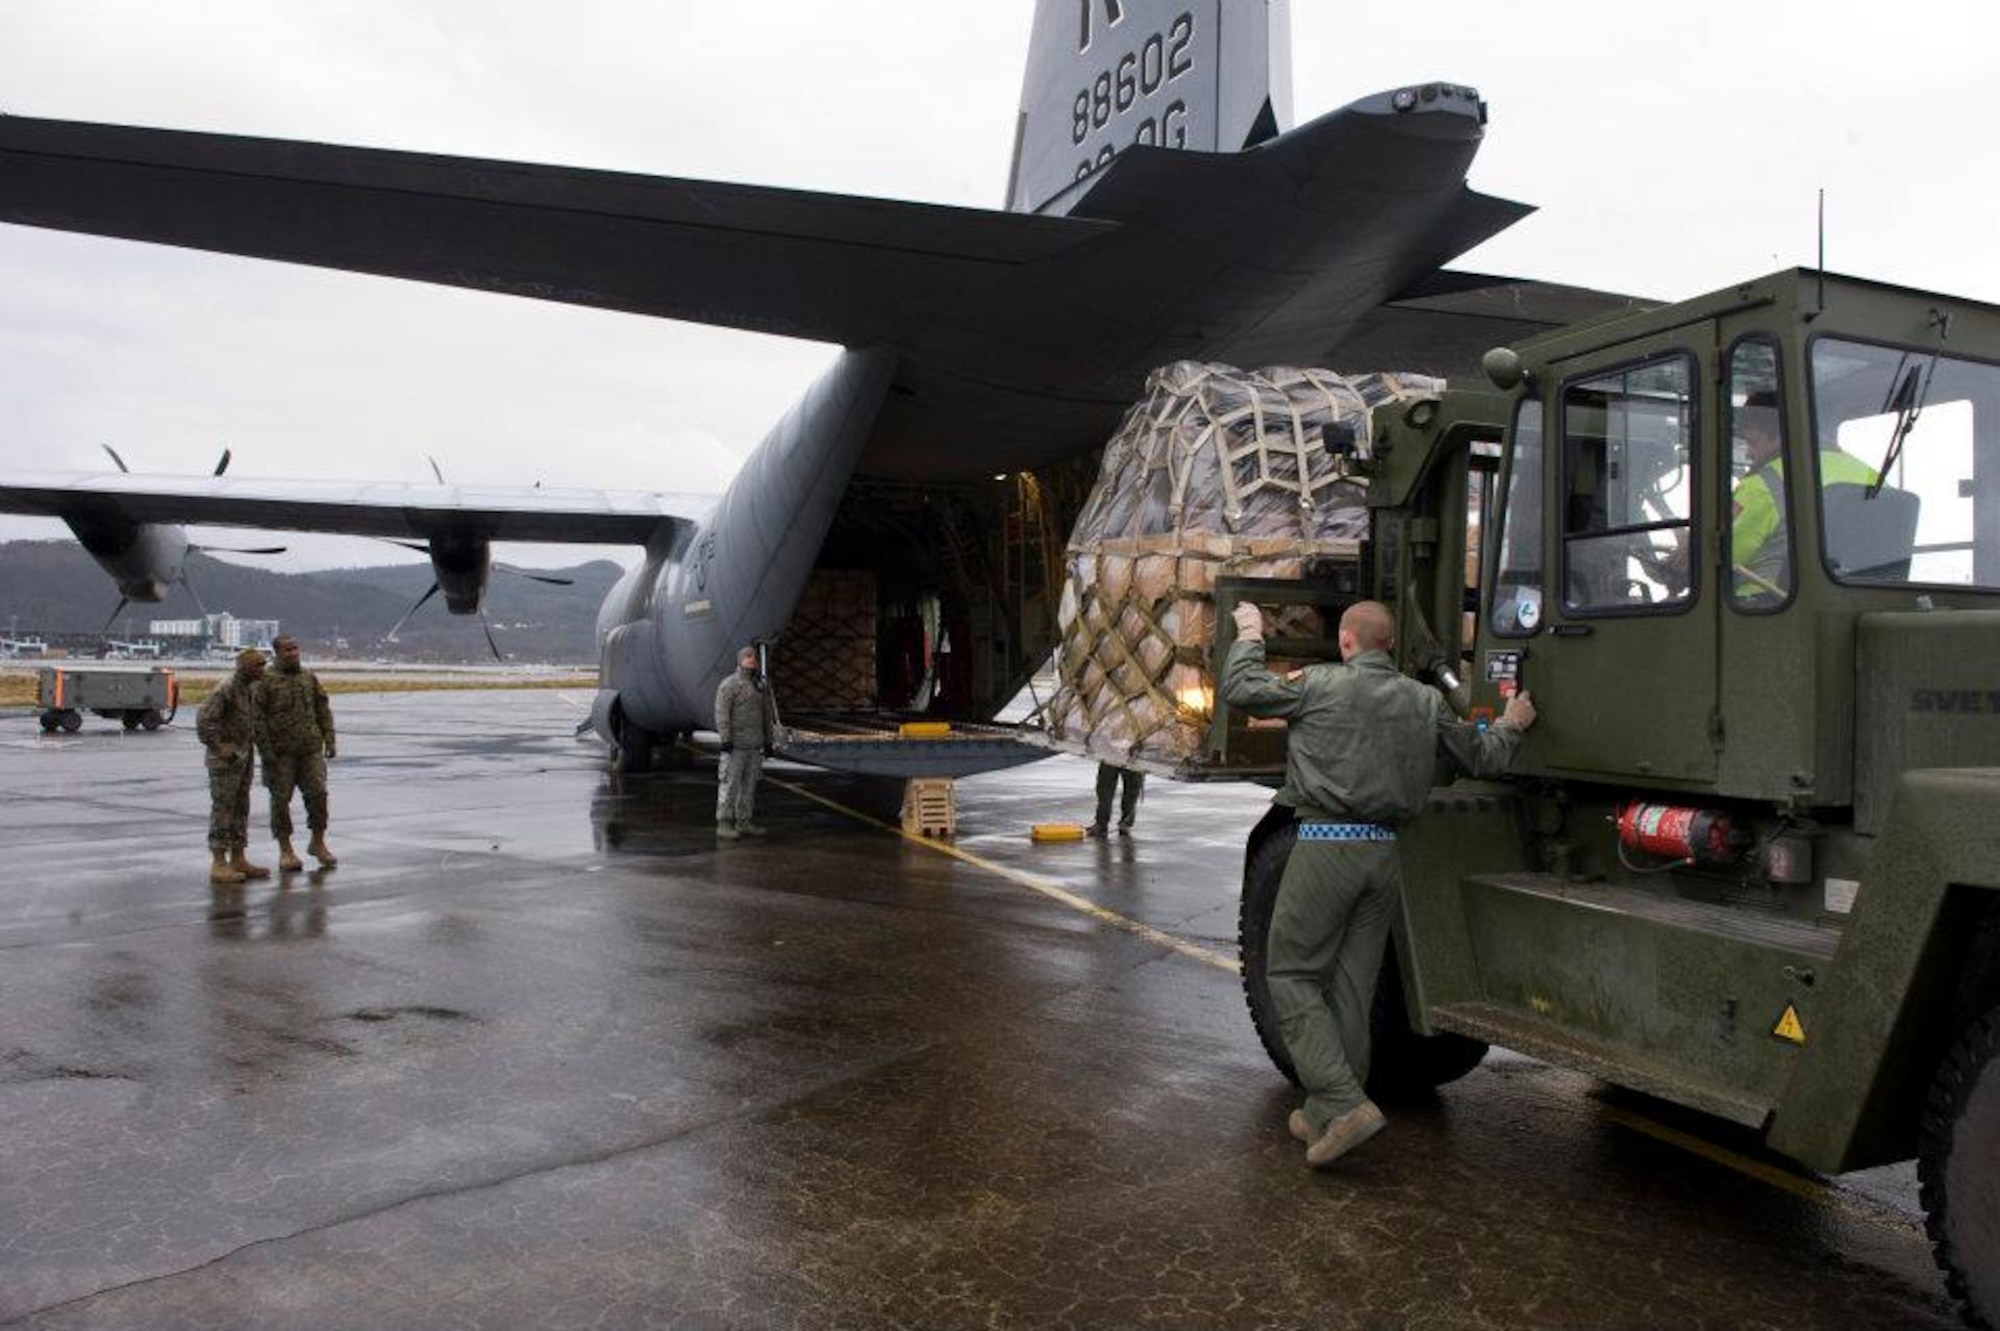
{"points": [[1907, 466]]}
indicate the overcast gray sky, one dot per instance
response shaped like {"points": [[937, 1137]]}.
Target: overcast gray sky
{"points": [[1671, 149]]}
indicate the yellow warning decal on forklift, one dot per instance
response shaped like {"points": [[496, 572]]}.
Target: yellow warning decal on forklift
{"points": [[1788, 1027]]}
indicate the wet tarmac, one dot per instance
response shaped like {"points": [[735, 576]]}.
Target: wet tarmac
{"points": [[540, 1053]]}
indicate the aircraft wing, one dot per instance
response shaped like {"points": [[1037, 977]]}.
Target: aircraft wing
{"points": [[356, 508], [1445, 323], [828, 267]]}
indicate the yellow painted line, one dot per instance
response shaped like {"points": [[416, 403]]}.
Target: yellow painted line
{"points": [[1806, 1189], [1053, 891]]}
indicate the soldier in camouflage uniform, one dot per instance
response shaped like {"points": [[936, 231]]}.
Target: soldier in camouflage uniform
{"points": [[294, 724], [746, 721], [226, 732], [1359, 759]]}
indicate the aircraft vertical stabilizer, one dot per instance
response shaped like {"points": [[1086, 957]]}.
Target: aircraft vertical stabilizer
{"points": [[1202, 75]]}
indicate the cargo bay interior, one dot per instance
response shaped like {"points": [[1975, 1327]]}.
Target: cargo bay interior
{"points": [[930, 599]]}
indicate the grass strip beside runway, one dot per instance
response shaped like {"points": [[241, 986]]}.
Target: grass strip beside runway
{"points": [[18, 688]]}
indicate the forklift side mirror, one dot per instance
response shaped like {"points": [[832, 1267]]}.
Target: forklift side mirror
{"points": [[1503, 366]]}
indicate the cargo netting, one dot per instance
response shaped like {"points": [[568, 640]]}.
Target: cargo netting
{"points": [[1214, 472], [828, 658]]}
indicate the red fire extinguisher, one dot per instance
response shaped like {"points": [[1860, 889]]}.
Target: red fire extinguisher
{"points": [[1692, 836]]}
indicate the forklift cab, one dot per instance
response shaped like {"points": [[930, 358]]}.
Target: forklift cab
{"points": [[1697, 514]]}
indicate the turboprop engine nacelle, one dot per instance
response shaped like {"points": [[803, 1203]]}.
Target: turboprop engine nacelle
{"points": [[145, 559], [461, 566]]}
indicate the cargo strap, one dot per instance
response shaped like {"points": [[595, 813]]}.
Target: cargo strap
{"points": [[1346, 832]]}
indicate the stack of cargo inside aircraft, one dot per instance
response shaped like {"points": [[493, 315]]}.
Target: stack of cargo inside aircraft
{"points": [[1216, 476], [837, 620]]}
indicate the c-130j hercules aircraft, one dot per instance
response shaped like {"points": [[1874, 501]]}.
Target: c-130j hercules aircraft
{"points": [[1160, 207]]}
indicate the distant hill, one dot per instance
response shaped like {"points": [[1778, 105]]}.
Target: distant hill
{"points": [[55, 590]]}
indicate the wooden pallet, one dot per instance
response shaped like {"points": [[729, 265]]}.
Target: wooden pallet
{"points": [[929, 807]]}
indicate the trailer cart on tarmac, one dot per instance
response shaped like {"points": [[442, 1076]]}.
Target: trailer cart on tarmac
{"points": [[141, 697]]}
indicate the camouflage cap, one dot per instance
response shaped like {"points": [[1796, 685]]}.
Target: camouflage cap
{"points": [[247, 655]]}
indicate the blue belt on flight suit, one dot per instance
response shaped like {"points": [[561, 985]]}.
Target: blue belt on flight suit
{"points": [[1319, 831]]}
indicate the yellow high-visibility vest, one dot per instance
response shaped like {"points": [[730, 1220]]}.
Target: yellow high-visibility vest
{"points": [[1757, 528]]}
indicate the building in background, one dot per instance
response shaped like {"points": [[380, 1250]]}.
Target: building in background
{"points": [[217, 632]]}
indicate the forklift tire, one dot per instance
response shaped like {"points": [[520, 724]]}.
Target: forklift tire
{"points": [[1402, 1063], [1979, 976], [130, 720], [151, 719], [1405, 1064], [1253, 928], [1958, 1140], [70, 721], [48, 721]]}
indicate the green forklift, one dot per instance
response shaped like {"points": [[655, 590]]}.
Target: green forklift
{"points": [[1745, 551]]}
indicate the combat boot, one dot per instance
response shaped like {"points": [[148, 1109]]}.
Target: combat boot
{"points": [[288, 859], [222, 873], [1345, 1133], [317, 849], [727, 831], [240, 862], [748, 828]]}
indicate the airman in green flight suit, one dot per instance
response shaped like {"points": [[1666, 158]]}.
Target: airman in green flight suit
{"points": [[1361, 754]]}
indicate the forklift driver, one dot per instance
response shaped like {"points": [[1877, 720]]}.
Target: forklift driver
{"points": [[1759, 540], [1758, 545]]}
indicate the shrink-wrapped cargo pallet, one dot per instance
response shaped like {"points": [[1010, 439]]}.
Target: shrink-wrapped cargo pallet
{"points": [[1215, 471]]}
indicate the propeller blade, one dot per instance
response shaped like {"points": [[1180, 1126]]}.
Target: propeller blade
{"points": [[436, 470], [418, 546], [549, 578], [188, 583], [239, 549], [485, 624], [411, 611], [222, 464], [114, 457]]}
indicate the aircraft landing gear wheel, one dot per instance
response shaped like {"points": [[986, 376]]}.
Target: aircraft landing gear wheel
{"points": [[151, 719], [1958, 1141], [635, 747], [70, 721], [1402, 1063], [130, 720]]}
